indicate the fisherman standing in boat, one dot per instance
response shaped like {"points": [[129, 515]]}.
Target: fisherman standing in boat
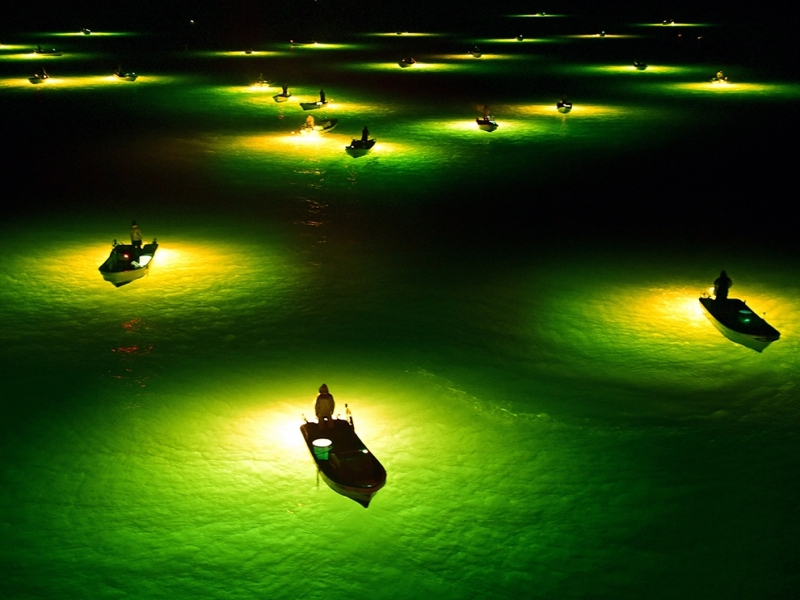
{"points": [[721, 286], [364, 135], [136, 239], [324, 407], [322, 97]]}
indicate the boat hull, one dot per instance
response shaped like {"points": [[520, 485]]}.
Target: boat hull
{"points": [[486, 124], [737, 322], [350, 469], [281, 97], [312, 105], [359, 148], [122, 266]]}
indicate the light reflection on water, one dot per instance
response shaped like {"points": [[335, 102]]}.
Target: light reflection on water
{"points": [[157, 423]]}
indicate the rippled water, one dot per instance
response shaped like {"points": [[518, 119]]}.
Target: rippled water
{"points": [[512, 317]]}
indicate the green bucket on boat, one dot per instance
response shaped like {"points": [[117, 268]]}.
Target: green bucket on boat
{"points": [[322, 448]]}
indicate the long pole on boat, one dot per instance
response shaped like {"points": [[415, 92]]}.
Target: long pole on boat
{"points": [[349, 416]]}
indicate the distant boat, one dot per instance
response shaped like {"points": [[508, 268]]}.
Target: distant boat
{"points": [[47, 51], [282, 97], [359, 147], [321, 127], [124, 75], [39, 77], [563, 106], [520, 38], [476, 52], [407, 62], [344, 462], [737, 322], [126, 263], [85, 31], [314, 105], [486, 123], [639, 65]]}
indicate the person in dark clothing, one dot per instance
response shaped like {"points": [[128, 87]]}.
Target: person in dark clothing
{"points": [[136, 236], [322, 96], [721, 286], [365, 135], [324, 407]]}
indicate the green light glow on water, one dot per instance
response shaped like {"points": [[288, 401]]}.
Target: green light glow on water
{"points": [[235, 54], [400, 34], [666, 25], [626, 69], [420, 66], [607, 36], [525, 40], [517, 333], [80, 34], [709, 87]]}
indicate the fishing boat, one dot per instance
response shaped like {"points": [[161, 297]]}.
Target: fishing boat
{"points": [[125, 76], [407, 62], [563, 106], [359, 147], [640, 66], [321, 127], [127, 263], [486, 123], [47, 51], [282, 97], [739, 323], [344, 462], [39, 77], [475, 52], [85, 31], [314, 105]]}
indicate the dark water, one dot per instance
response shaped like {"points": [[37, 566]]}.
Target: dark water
{"points": [[512, 315]]}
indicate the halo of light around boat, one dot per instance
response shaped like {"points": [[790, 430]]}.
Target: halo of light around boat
{"points": [[675, 25], [606, 36], [93, 34], [727, 87], [657, 69]]}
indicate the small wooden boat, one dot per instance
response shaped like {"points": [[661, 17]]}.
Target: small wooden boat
{"points": [[407, 62], [38, 78], [314, 105], [344, 462], [359, 147], [640, 66], [486, 123], [127, 263], [47, 51], [520, 38], [125, 76], [475, 52], [737, 322], [563, 106], [321, 127], [719, 78], [282, 97], [85, 31], [668, 22]]}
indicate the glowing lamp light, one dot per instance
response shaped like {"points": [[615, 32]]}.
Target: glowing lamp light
{"points": [[144, 260]]}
